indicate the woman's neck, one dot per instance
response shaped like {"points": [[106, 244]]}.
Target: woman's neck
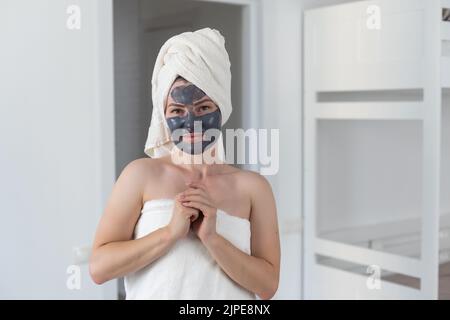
{"points": [[199, 165]]}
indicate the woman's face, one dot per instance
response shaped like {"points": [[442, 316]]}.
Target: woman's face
{"points": [[189, 109], [184, 97]]}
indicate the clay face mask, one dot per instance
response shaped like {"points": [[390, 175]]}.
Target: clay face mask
{"points": [[208, 124]]}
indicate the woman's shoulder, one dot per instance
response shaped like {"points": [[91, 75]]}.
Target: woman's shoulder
{"points": [[256, 187], [144, 167], [248, 177]]}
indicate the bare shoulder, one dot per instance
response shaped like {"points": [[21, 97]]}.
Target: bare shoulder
{"points": [[263, 207], [252, 183], [142, 166], [140, 170], [252, 179]]}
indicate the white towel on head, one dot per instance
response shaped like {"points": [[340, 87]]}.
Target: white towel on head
{"points": [[199, 57]]}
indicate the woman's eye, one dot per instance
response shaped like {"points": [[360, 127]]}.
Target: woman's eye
{"points": [[204, 108]]}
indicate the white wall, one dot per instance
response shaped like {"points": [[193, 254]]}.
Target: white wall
{"points": [[445, 160], [281, 108], [50, 187]]}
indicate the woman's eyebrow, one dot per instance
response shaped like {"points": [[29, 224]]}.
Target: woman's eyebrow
{"points": [[202, 100], [183, 105], [176, 104]]}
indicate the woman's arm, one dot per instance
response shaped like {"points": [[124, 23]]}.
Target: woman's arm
{"points": [[260, 271], [114, 252]]}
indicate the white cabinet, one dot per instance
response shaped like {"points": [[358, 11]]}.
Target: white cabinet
{"points": [[377, 121]]}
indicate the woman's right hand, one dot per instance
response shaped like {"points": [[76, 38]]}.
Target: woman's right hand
{"points": [[182, 217]]}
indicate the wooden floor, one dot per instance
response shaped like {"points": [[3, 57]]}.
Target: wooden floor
{"points": [[444, 281]]}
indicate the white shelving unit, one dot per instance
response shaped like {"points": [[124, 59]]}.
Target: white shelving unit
{"points": [[397, 74]]}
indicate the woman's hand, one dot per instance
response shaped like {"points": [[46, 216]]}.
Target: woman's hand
{"points": [[182, 217], [197, 197]]}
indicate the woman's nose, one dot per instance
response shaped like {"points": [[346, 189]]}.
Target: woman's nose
{"points": [[190, 118]]}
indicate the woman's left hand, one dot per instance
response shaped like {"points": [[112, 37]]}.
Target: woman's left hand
{"points": [[197, 196]]}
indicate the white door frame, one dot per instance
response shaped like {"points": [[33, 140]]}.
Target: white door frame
{"points": [[104, 116]]}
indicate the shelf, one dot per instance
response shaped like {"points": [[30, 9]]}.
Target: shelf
{"points": [[341, 284], [399, 237], [353, 72], [369, 110], [364, 256]]}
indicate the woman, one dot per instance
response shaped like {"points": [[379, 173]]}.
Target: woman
{"points": [[175, 226]]}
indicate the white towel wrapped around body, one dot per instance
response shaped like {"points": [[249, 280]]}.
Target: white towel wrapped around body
{"points": [[187, 270], [199, 57]]}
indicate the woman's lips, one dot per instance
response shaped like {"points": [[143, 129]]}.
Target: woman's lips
{"points": [[193, 137]]}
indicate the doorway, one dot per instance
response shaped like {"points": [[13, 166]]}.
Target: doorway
{"points": [[140, 29]]}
